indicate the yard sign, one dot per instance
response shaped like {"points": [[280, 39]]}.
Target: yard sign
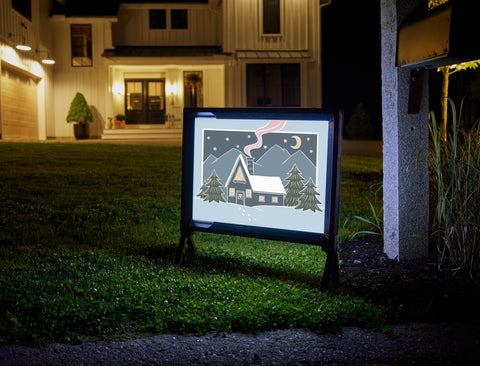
{"points": [[264, 173]]}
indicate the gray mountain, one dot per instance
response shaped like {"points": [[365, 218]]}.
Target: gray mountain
{"points": [[276, 162], [304, 164]]}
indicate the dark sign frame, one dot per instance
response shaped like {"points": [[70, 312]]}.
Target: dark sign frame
{"points": [[327, 239]]}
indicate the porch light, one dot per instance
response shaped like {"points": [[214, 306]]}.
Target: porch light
{"points": [[46, 60], [118, 88], [172, 89], [23, 47]]}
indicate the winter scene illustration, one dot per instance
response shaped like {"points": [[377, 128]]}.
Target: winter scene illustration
{"points": [[266, 176]]}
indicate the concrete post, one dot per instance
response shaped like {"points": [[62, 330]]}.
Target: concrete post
{"points": [[405, 184]]}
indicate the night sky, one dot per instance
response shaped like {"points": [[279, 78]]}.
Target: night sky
{"points": [[219, 142], [351, 58]]}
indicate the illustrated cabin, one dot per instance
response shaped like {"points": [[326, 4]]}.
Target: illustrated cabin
{"points": [[247, 189]]}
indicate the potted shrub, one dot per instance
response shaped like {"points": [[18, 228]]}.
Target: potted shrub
{"points": [[81, 115]]}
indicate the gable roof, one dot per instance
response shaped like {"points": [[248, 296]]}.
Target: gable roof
{"points": [[259, 183]]}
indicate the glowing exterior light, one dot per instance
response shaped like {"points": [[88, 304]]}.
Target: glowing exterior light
{"points": [[171, 88], [23, 47], [118, 88]]}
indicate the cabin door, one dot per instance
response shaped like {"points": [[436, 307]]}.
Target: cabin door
{"points": [[240, 198]]}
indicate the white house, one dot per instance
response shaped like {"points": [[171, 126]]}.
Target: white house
{"points": [[147, 60]]}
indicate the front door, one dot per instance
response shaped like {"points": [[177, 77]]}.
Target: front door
{"points": [[240, 198], [145, 101]]}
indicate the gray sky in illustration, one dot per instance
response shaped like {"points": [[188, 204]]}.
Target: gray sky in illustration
{"points": [[219, 142]]}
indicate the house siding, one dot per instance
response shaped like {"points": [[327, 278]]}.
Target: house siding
{"points": [[91, 81], [133, 28]]}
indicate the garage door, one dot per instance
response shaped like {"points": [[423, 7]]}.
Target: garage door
{"points": [[19, 105]]}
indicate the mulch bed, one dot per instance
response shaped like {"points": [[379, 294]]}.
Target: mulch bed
{"points": [[418, 288]]}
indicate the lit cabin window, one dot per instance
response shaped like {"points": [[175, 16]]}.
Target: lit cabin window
{"points": [[81, 42], [274, 199], [239, 177], [261, 198], [248, 193], [231, 192]]}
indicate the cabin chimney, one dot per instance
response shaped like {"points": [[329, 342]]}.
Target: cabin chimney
{"points": [[250, 165]]}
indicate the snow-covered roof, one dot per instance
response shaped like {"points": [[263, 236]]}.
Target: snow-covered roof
{"points": [[259, 183]]}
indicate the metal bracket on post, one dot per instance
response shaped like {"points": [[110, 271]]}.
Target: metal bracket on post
{"points": [[415, 91]]}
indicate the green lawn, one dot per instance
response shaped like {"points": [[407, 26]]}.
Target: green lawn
{"points": [[88, 234]]}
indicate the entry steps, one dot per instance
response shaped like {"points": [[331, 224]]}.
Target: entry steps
{"points": [[144, 133]]}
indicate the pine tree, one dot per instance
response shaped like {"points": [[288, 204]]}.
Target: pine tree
{"points": [[203, 191], [214, 192], [307, 200], [293, 187]]}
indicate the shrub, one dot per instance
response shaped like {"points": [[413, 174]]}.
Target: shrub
{"points": [[360, 125], [79, 110], [455, 180]]}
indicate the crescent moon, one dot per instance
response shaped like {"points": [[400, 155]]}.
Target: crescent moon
{"points": [[298, 144]]}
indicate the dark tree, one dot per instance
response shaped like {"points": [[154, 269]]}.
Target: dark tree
{"points": [[293, 187], [214, 192], [307, 200]]}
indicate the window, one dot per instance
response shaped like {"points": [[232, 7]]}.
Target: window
{"points": [[273, 85], [248, 193], [179, 19], [271, 16], [24, 7], [81, 44], [261, 198], [231, 192], [274, 199], [158, 19]]}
